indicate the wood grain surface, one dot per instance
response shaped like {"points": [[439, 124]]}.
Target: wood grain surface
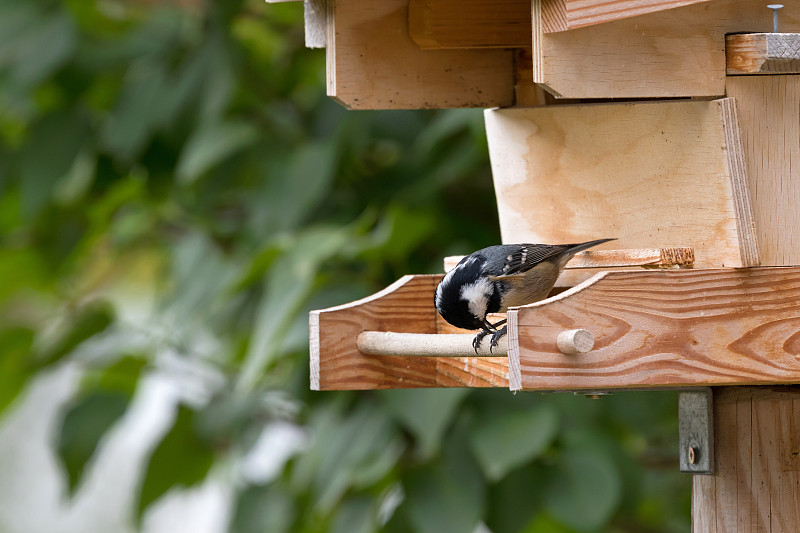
{"points": [[679, 52], [372, 63], [762, 53], [470, 23], [562, 15], [651, 174], [756, 487], [404, 307], [769, 119], [664, 329]]}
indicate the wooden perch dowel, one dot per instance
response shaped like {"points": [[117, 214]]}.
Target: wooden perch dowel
{"points": [[426, 345], [575, 341], [762, 53]]}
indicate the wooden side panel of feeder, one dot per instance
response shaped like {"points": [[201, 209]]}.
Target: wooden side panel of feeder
{"points": [[674, 53], [756, 486], [769, 116], [372, 63], [404, 307], [562, 15], [663, 329], [470, 23], [651, 174]]}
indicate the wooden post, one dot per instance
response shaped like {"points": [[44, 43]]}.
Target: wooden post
{"points": [[756, 486]]}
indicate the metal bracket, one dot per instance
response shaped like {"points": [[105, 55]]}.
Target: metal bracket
{"points": [[696, 431]]}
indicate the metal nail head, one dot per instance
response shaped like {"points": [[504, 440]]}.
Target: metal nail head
{"points": [[775, 8]]}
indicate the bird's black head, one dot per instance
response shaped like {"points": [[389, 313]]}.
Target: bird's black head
{"points": [[465, 295]]}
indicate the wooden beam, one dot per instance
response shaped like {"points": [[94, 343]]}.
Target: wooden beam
{"points": [[372, 63], [666, 328], [674, 53], [762, 53], [650, 174], [470, 23], [562, 15], [769, 118], [756, 486], [404, 307]]}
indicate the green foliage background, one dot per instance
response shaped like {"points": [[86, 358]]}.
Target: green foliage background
{"points": [[175, 186]]}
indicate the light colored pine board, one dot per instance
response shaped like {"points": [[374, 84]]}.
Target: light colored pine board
{"points": [[651, 174], [315, 13], [406, 306], [427, 345], [762, 53], [456, 24], [674, 53], [769, 118], [526, 92], [562, 15], [665, 328], [756, 486], [372, 63]]}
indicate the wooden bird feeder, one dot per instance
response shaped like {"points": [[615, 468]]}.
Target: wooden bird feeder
{"points": [[673, 125]]}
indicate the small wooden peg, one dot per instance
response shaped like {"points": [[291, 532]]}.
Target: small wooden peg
{"points": [[574, 341]]}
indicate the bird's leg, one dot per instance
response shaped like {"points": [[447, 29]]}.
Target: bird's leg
{"points": [[476, 342], [487, 328], [496, 336]]}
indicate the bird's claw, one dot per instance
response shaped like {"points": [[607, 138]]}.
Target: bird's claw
{"points": [[496, 337], [476, 342]]}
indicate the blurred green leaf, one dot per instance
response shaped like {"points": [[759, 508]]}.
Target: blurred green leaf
{"points": [[509, 439], [104, 398], [425, 412], [48, 155], [83, 425], [48, 40], [181, 459], [210, 145], [355, 515], [585, 490], [447, 495], [262, 510], [87, 321], [15, 363]]}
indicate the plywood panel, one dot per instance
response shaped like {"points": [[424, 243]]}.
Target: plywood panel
{"points": [[651, 174], [372, 63], [664, 329], [756, 487], [470, 23], [673, 53], [404, 307], [769, 117]]}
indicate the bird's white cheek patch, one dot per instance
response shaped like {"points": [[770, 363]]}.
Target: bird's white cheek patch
{"points": [[477, 297]]}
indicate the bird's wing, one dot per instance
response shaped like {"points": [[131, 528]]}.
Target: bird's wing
{"points": [[526, 256]]}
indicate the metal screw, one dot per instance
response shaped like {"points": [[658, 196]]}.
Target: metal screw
{"points": [[775, 8], [692, 455]]}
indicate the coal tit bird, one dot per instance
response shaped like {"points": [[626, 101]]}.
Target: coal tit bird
{"points": [[498, 277]]}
